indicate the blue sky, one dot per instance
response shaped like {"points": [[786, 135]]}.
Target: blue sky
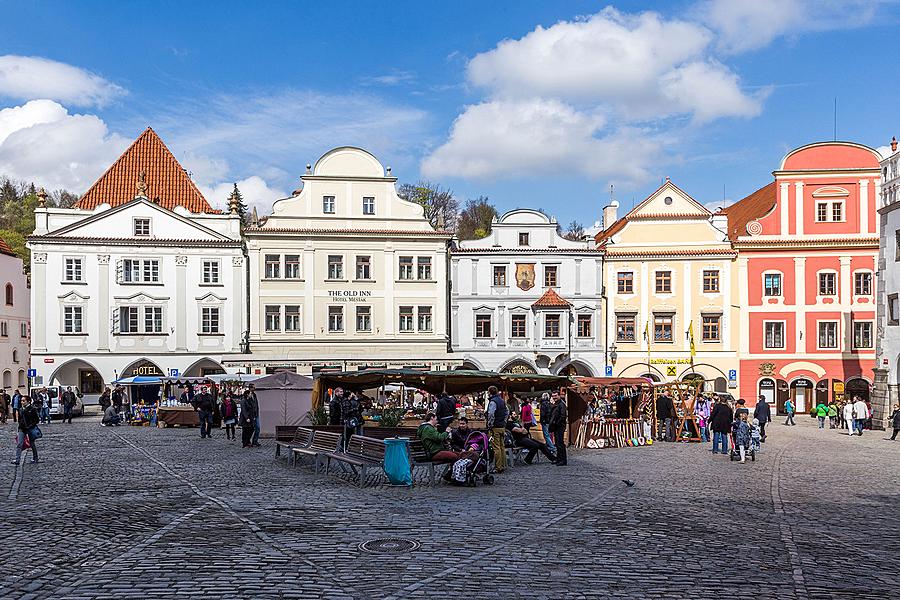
{"points": [[531, 103]]}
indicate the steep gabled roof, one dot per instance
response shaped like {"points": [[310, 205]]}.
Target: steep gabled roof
{"points": [[551, 299], [754, 206], [635, 213], [5, 249], [166, 180]]}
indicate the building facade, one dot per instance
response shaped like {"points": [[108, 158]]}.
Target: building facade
{"points": [[807, 245], [15, 322], [670, 286], [524, 299], [346, 275], [886, 391], [141, 277]]}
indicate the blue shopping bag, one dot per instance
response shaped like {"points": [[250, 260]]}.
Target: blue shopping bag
{"points": [[396, 461]]}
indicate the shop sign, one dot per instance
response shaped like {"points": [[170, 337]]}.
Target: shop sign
{"points": [[838, 387], [49, 361], [767, 384], [349, 295], [802, 383], [670, 361], [767, 368], [146, 369]]}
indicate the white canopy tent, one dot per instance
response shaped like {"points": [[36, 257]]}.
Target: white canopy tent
{"points": [[285, 398]]}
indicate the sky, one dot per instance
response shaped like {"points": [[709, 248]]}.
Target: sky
{"points": [[532, 103]]}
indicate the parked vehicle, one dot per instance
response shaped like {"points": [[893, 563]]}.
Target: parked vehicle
{"points": [[55, 391]]}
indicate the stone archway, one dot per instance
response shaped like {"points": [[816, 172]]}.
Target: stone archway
{"points": [[81, 374], [520, 367], [575, 368], [203, 367]]}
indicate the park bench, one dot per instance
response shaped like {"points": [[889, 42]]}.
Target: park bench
{"points": [[324, 443], [302, 438], [361, 452], [419, 458]]}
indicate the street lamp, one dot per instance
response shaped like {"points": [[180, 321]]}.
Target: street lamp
{"points": [[613, 355]]}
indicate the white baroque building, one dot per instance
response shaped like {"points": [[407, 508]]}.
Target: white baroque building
{"points": [[346, 275], [15, 328], [524, 299], [141, 277]]}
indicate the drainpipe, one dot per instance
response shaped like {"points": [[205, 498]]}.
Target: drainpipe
{"points": [[605, 303], [448, 289], [246, 344]]}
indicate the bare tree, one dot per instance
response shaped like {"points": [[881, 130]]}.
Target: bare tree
{"points": [[475, 219], [575, 231], [441, 206]]}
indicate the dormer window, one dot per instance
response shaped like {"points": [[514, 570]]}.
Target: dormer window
{"points": [[368, 205], [523, 239], [142, 227], [328, 205]]}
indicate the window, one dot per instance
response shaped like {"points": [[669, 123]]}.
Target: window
{"points": [[335, 319], [142, 227], [128, 319], [897, 245], [153, 322], [584, 326], [624, 328], [821, 212], [500, 275], [482, 326], [292, 318], [893, 306], [523, 239], [4, 329], [72, 319], [273, 266], [424, 318], [828, 334], [209, 320], [862, 334], [425, 267], [772, 283], [15, 355], [23, 330], [292, 266], [774, 335], [406, 268], [210, 271], [862, 284], [550, 278], [335, 266], [662, 328], [664, 282], [710, 281], [517, 326], [711, 328], [9, 294], [406, 318], [829, 211], [368, 205], [364, 318], [328, 205], [827, 284], [364, 267], [140, 271], [551, 326], [273, 318], [837, 211], [625, 282], [73, 269]]}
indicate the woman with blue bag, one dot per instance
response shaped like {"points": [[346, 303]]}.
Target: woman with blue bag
{"points": [[28, 430]]}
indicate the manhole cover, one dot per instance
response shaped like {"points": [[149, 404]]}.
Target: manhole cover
{"points": [[389, 546]]}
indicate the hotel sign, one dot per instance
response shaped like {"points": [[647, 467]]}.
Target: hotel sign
{"points": [[349, 295]]}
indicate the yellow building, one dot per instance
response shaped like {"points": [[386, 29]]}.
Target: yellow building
{"points": [[669, 282]]}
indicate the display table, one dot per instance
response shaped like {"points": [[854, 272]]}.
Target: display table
{"points": [[183, 416]]}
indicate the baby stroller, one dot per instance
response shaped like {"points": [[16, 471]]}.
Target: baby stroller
{"points": [[735, 453], [466, 471]]}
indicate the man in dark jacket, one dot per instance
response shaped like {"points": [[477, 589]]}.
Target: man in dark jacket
{"points": [[249, 412], [720, 419], [334, 407], [763, 413], [559, 421], [251, 392], [446, 411], [665, 414], [204, 405], [28, 420], [497, 413], [458, 436], [546, 410], [522, 439], [68, 404]]}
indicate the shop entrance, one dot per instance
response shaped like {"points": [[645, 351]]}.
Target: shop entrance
{"points": [[857, 387], [802, 394]]}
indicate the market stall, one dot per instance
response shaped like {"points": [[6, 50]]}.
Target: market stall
{"points": [[285, 398], [141, 398], [172, 411], [610, 412], [684, 396]]}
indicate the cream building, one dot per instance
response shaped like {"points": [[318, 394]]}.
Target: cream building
{"points": [[527, 300], [346, 275], [668, 266]]}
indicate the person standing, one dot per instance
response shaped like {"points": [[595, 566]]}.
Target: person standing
{"points": [[117, 399], [249, 408], [4, 407], [497, 414], [665, 413], [44, 404], [701, 411], [68, 404], [546, 409], [832, 414], [789, 410], [334, 407], [203, 404], [762, 412], [848, 418], [16, 404], [445, 412], [527, 415], [720, 419], [860, 414], [821, 413], [351, 414], [105, 400], [28, 429], [228, 411], [251, 391], [895, 421], [559, 421]]}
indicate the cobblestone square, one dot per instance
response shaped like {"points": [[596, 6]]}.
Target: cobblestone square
{"points": [[158, 513]]}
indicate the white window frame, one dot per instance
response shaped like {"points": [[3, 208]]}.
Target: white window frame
{"points": [[338, 312], [149, 316], [871, 325], [76, 260], [368, 205], [829, 211], [328, 202], [298, 262], [406, 319], [276, 313], [783, 324], [837, 286], [73, 331], [134, 227], [213, 275], [134, 309], [780, 284], [142, 266], [367, 265], [837, 334], [208, 325], [424, 266], [406, 271], [421, 312], [364, 311], [340, 267], [293, 315], [871, 282], [275, 271]]}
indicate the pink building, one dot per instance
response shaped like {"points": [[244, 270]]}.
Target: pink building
{"points": [[15, 314], [807, 248]]}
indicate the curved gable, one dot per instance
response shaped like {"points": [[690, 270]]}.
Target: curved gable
{"points": [[830, 155], [348, 161]]}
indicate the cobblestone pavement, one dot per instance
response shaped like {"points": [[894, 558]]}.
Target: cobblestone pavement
{"points": [[152, 513]]}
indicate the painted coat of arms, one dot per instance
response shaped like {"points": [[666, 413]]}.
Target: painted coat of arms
{"points": [[525, 276]]}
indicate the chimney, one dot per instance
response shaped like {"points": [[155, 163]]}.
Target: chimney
{"points": [[610, 214], [894, 144]]}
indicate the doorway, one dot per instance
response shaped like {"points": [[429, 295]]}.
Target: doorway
{"points": [[857, 387], [802, 394]]}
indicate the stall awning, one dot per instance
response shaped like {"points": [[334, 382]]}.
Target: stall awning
{"points": [[138, 380]]}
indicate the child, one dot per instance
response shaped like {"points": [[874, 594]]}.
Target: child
{"points": [[755, 436], [741, 430]]}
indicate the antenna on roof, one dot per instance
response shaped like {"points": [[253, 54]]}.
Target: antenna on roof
{"points": [[834, 138], [612, 189]]}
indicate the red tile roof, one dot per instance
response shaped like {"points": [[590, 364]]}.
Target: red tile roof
{"points": [[167, 181], [750, 208], [673, 252], [551, 299], [5, 249]]}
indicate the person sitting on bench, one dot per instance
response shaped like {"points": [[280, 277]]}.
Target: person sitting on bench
{"points": [[459, 435], [522, 439], [434, 442]]}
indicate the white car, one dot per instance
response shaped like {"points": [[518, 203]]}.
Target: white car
{"points": [[55, 391]]}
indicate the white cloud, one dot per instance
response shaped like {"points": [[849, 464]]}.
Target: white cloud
{"points": [[395, 77], [708, 91], [748, 25], [254, 189], [32, 77], [41, 142]]}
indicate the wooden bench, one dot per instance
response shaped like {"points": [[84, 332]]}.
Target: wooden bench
{"points": [[324, 443], [419, 458], [361, 452], [302, 439]]}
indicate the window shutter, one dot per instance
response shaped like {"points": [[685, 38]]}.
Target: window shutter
{"points": [[119, 269], [114, 321]]}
